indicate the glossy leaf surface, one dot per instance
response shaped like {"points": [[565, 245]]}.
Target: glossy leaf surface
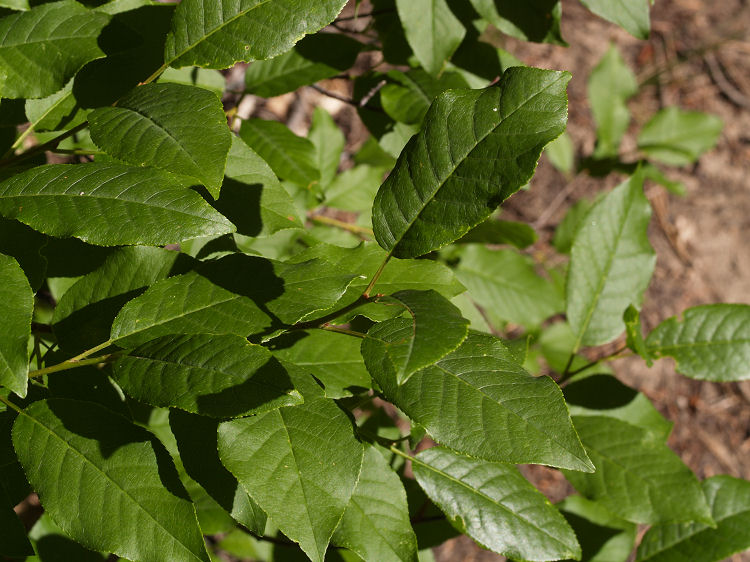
{"points": [[495, 506], [16, 309], [109, 204], [443, 185]]}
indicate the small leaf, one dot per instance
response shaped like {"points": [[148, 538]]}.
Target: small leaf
{"points": [[329, 143], [635, 341], [610, 265], [301, 464], [181, 129], [442, 185], [561, 153], [224, 32], [678, 137], [637, 476], [402, 347], [492, 231], [41, 49], [729, 499], [495, 506], [15, 543], [480, 402], [290, 157], [533, 20], [109, 204], [81, 459], [631, 15], [16, 309], [376, 522], [711, 343]]}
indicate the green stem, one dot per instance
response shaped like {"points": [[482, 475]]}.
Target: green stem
{"points": [[65, 365], [400, 453], [10, 404], [375, 277], [568, 373], [353, 228], [77, 152], [43, 147], [155, 75]]}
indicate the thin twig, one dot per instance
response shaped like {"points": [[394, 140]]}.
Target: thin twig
{"points": [[726, 87], [43, 147], [374, 280], [361, 231], [66, 365]]}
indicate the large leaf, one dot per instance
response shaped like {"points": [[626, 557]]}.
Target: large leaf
{"points": [[631, 15], [301, 464], [711, 343], [376, 522], [431, 29], [637, 476], [678, 137], [15, 543], [610, 265], [475, 149], [610, 85], [109, 204], [181, 129], [16, 309], [40, 50], [252, 196], [290, 157], [729, 499], [220, 33], [220, 376], [506, 286], [479, 401], [400, 347], [495, 506], [106, 482], [533, 20], [237, 294]]}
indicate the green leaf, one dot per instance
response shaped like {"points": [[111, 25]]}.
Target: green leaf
{"points": [[196, 438], [84, 314], [729, 499], [16, 309], [480, 402], [334, 359], [106, 482], [566, 231], [53, 545], [635, 341], [631, 15], [277, 457], [534, 20], [711, 343], [354, 189], [290, 157], [220, 376], [236, 294], [59, 111], [40, 50], [329, 143], [678, 137], [315, 58], [252, 197], [28, 247], [211, 80], [561, 153], [401, 347], [637, 476], [181, 129], [610, 85], [409, 96], [505, 285], [431, 29], [442, 186], [221, 33], [493, 231], [610, 265], [495, 506], [15, 543], [376, 522], [109, 204]]}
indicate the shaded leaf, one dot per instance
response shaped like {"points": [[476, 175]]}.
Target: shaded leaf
{"points": [[51, 544], [15, 543], [566, 231], [631, 15], [58, 111], [27, 246], [678, 137], [442, 185], [495, 506], [492, 231], [535, 20], [409, 96], [431, 29], [211, 80], [16, 309], [109, 204], [711, 343]]}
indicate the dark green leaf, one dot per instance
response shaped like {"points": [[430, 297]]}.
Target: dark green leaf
{"points": [[53, 545], [678, 137], [27, 246], [637, 476], [495, 506], [181, 129], [105, 481], [409, 96], [221, 33], [400, 347], [16, 309], [534, 20], [566, 231], [109, 204], [40, 50], [711, 343], [290, 157], [631, 15], [729, 499], [442, 185], [492, 231], [480, 402], [610, 265], [301, 464], [15, 543], [219, 376], [58, 111], [376, 523]]}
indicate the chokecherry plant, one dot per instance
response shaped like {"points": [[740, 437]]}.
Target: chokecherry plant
{"points": [[218, 337]]}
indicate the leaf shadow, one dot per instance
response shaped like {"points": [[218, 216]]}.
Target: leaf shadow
{"points": [[599, 392], [240, 203]]}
